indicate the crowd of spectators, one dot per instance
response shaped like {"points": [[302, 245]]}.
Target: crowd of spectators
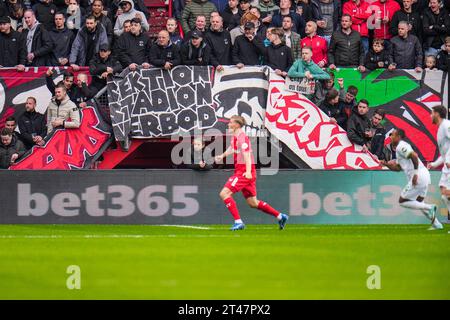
{"points": [[299, 38]]}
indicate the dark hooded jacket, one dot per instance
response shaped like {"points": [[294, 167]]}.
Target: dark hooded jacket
{"points": [[357, 126]]}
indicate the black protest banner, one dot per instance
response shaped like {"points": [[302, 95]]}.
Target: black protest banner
{"points": [[156, 103]]}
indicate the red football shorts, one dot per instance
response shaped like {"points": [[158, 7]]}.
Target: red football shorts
{"points": [[238, 182]]}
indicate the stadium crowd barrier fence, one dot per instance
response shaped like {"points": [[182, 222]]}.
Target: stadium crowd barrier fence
{"points": [[190, 197], [154, 103]]}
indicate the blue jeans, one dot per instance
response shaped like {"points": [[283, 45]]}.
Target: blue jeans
{"points": [[327, 38], [365, 43]]}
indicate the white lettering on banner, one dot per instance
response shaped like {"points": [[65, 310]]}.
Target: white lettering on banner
{"points": [[341, 204], [93, 196], [145, 200], [62, 203], [191, 204], [364, 199], [40, 201], [338, 204], [297, 198], [122, 201], [392, 200]]}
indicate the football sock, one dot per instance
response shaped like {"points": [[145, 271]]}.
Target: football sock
{"points": [[265, 207], [416, 205], [231, 205]]}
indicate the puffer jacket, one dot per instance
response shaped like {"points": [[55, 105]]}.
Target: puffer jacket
{"points": [[65, 110], [12, 49], [194, 9], [6, 152], [346, 50]]}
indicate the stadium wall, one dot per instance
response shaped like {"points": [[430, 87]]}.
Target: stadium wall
{"points": [[189, 197]]}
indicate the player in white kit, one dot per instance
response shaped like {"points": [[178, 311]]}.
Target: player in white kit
{"points": [[439, 117], [415, 191]]}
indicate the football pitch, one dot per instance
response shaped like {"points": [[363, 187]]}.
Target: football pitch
{"points": [[211, 262]]}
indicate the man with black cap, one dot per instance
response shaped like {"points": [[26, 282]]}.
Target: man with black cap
{"points": [[133, 48], [13, 52], [246, 47], [103, 65], [196, 52], [164, 53]]}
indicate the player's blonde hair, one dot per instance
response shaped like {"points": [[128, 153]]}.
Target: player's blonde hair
{"points": [[240, 120]]}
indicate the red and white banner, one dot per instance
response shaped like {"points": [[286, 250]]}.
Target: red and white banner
{"points": [[308, 132]]}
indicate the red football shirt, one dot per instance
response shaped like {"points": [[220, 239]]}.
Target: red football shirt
{"points": [[241, 144]]}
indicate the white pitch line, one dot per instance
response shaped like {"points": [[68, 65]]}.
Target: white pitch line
{"points": [[115, 236], [184, 226]]}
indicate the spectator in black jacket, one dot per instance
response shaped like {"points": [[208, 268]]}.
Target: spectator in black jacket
{"points": [[133, 48], [45, 13], [443, 57], [231, 15], [200, 25], [32, 125], [347, 102], [377, 57], [102, 66], [97, 9], [62, 40], [285, 10], [12, 46], [410, 15], [278, 56], [246, 47], [406, 52], [164, 53], [330, 106], [346, 49], [72, 90], [201, 158], [38, 43], [172, 28], [196, 52], [219, 41], [11, 148], [358, 126], [436, 26], [378, 133]]}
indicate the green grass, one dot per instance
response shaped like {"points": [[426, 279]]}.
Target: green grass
{"points": [[158, 262]]}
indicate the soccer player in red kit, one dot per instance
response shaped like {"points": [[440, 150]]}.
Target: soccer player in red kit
{"points": [[244, 178]]}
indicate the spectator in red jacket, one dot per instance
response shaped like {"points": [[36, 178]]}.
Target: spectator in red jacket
{"points": [[318, 44], [359, 11], [383, 17]]}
